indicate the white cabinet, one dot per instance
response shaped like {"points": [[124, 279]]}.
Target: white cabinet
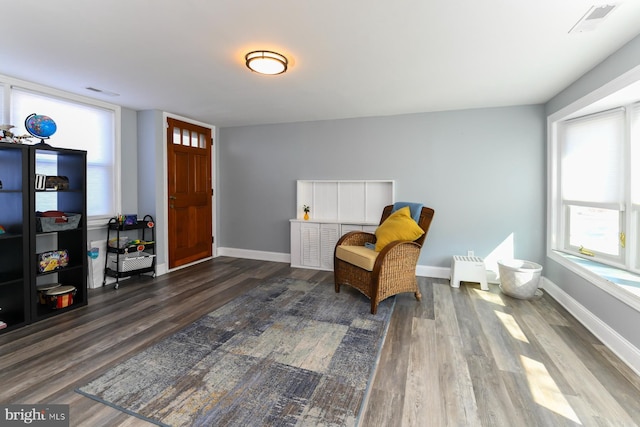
{"points": [[313, 242], [337, 207], [345, 201], [309, 237], [345, 228]]}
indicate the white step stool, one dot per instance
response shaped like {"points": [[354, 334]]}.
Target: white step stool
{"points": [[468, 269]]}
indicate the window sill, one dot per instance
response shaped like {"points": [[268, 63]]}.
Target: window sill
{"points": [[97, 223], [621, 284]]}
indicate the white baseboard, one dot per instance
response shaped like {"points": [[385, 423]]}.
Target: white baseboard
{"points": [[437, 272], [619, 345], [251, 254], [161, 269], [421, 270]]}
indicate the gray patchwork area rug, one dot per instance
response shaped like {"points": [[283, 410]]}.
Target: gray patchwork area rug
{"points": [[288, 353]]}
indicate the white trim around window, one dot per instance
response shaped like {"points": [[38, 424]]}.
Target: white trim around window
{"points": [[595, 101], [8, 83]]}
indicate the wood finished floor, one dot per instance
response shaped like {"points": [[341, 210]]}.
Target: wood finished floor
{"points": [[460, 357]]}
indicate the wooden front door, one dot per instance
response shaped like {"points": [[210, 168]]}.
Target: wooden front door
{"points": [[190, 192]]}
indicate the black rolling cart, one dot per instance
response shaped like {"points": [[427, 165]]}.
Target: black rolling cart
{"points": [[130, 247]]}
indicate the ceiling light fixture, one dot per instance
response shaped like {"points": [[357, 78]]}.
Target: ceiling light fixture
{"points": [[266, 62]]}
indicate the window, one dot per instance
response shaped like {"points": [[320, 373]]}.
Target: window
{"points": [[82, 124], [634, 155], [598, 187]]}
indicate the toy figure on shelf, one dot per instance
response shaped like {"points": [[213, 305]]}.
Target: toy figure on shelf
{"points": [[5, 133], [7, 136], [22, 138]]}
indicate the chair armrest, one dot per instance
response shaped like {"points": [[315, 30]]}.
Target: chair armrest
{"points": [[356, 238], [398, 249]]}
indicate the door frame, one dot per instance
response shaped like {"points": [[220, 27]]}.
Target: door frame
{"points": [[163, 232]]}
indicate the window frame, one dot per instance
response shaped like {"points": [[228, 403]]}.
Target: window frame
{"points": [[597, 100], [613, 260], [9, 83], [562, 215]]}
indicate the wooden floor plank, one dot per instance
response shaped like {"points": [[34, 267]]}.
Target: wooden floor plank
{"points": [[500, 330], [586, 385], [422, 392], [454, 379]]}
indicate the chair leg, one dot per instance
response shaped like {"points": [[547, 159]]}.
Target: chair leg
{"points": [[337, 285], [374, 306]]}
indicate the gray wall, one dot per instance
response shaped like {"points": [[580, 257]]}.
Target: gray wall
{"points": [[610, 310], [483, 171], [625, 59], [150, 175], [129, 163]]}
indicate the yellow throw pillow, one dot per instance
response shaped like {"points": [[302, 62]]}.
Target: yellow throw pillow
{"points": [[398, 226]]}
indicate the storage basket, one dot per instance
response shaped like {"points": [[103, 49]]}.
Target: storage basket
{"points": [[519, 278], [119, 243], [53, 223], [131, 261]]}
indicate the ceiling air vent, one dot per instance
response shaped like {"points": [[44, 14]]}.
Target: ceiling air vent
{"points": [[102, 91], [594, 16]]}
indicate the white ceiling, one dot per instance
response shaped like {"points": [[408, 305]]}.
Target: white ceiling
{"points": [[348, 58]]}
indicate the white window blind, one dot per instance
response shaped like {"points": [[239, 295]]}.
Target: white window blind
{"points": [[634, 150], [635, 155], [79, 126], [592, 158]]}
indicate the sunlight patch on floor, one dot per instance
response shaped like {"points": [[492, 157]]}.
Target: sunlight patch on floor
{"points": [[511, 325], [545, 391], [489, 297]]}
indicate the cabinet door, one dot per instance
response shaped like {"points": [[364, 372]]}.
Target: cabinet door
{"points": [[345, 228], [370, 228], [310, 244], [329, 235]]}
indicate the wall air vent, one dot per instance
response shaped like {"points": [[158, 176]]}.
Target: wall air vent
{"points": [[594, 16]]}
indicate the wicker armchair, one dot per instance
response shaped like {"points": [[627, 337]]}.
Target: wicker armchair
{"points": [[394, 268]]}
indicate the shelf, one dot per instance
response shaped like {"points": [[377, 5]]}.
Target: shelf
{"points": [[60, 270], [10, 236], [9, 279], [74, 230], [118, 274], [131, 248], [120, 261], [14, 243], [122, 227], [53, 161], [345, 200], [44, 311], [71, 190]]}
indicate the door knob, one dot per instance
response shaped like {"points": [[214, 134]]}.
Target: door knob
{"points": [[172, 197]]}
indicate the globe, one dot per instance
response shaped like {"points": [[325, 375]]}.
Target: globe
{"points": [[40, 126]]}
